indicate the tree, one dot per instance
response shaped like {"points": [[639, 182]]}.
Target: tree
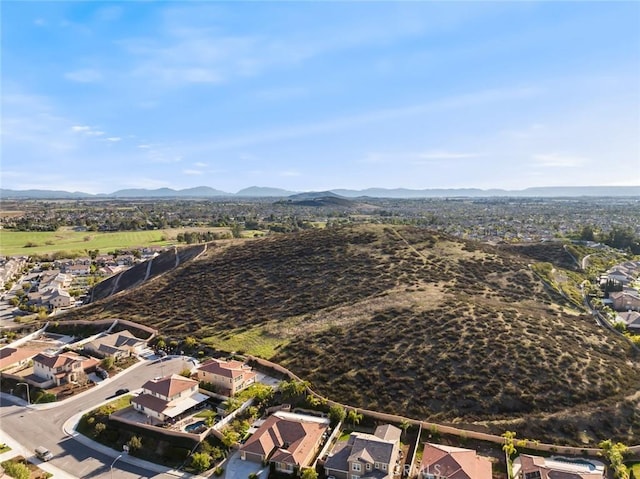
{"points": [[354, 417], [293, 388], [201, 461], [309, 474], [134, 443], [336, 414], [190, 342], [404, 425], [229, 437], [99, 428], [186, 372], [107, 363], [231, 405], [509, 449], [615, 455]]}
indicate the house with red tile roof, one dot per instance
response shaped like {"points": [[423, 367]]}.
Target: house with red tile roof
{"points": [[289, 441], [11, 358], [440, 461], [526, 466], [166, 398], [60, 368], [228, 377]]}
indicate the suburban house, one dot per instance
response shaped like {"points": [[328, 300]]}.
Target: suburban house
{"points": [[448, 462], [365, 455], [12, 358], [78, 269], [166, 398], [625, 301], [229, 377], [58, 298], [289, 441], [536, 467], [116, 345], [631, 319], [60, 368]]}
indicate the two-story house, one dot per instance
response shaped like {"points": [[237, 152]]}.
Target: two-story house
{"points": [[166, 398], [58, 368], [365, 455], [286, 440], [228, 377]]}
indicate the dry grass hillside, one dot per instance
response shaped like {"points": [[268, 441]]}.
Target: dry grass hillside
{"points": [[396, 319]]}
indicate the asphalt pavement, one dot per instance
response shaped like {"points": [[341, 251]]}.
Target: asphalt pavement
{"points": [[24, 427]]}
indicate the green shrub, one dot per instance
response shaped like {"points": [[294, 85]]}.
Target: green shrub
{"points": [[16, 469]]}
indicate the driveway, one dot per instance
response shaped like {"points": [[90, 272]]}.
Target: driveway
{"points": [[236, 468]]}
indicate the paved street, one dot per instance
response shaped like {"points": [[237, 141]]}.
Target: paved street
{"points": [[43, 426]]}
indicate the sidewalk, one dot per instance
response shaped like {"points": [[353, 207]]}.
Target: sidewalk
{"points": [[18, 450], [69, 429]]}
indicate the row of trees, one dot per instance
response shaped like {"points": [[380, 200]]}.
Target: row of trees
{"points": [[620, 237]]}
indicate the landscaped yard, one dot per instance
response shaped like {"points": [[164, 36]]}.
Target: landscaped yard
{"points": [[20, 467], [635, 467]]}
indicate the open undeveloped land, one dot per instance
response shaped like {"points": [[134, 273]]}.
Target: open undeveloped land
{"points": [[17, 243], [408, 321]]}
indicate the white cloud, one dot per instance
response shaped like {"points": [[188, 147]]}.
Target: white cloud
{"points": [[39, 22], [192, 172], [557, 160], [114, 139], [86, 75], [200, 164], [144, 146], [86, 130]]}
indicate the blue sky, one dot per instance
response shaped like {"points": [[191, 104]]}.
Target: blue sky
{"points": [[98, 96]]}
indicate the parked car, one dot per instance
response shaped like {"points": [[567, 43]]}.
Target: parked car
{"points": [[120, 392], [43, 453], [102, 373]]}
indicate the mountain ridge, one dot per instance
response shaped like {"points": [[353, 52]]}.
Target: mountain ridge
{"points": [[268, 192]]}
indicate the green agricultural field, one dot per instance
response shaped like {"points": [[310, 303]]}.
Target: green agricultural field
{"points": [[22, 243]]}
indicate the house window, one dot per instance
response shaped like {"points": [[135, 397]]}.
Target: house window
{"points": [[377, 465], [355, 476], [384, 467], [356, 467], [368, 467]]}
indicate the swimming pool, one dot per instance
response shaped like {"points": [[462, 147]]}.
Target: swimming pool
{"points": [[579, 462], [195, 427]]}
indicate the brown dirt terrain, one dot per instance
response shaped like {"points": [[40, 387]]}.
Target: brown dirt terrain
{"points": [[408, 321]]}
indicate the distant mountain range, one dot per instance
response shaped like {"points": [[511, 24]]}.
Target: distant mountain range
{"points": [[265, 192]]}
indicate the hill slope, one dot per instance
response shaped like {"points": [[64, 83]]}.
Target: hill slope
{"points": [[395, 319]]}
